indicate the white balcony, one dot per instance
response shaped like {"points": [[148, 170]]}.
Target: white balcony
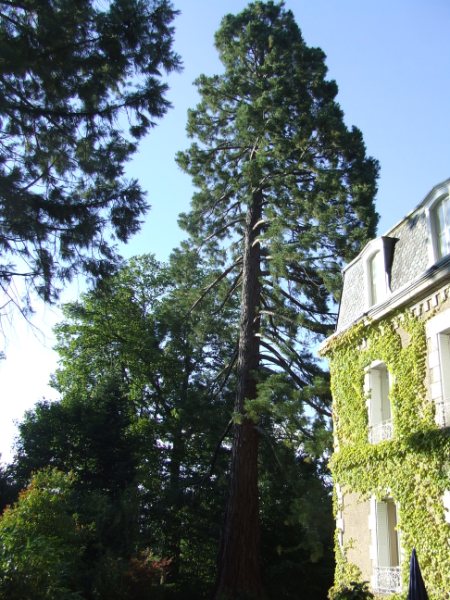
{"points": [[381, 431], [443, 413], [387, 580]]}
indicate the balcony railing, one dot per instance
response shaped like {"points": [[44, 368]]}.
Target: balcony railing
{"points": [[387, 580], [443, 413], [381, 431]]}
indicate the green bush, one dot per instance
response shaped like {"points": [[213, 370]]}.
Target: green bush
{"points": [[357, 591], [41, 542]]}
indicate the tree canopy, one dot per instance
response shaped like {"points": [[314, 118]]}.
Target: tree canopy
{"points": [[139, 420], [284, 196], [42, 542], [146, 396], [174, 378], [81, 82]]}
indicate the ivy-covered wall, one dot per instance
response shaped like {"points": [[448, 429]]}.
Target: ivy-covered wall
{"points": [[413, 468]]}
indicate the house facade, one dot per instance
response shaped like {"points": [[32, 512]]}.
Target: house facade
{"points": [[390, 376]]}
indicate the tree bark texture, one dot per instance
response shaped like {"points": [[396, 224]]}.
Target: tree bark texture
{"points": [[239, 573]]}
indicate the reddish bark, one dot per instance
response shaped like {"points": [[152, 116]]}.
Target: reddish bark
{"points": [[239, 558]]}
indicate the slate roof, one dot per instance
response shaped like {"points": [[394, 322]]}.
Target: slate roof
{"points": [[410, 261]]}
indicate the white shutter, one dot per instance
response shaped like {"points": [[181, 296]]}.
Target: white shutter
{"points": [[446, 503], [444, 351], [384, 393], [373, 529], [394, 555]]}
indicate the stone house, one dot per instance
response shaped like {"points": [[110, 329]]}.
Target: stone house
{"points": [[390, 377]]}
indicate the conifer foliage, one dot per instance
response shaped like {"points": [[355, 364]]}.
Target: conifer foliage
{"points": [[284, 196], [81, 83]]}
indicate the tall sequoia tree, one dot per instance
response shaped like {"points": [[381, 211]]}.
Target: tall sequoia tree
{"points": [[81, 83], [286, 190]]}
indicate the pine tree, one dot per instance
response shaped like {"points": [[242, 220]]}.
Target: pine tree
{"points": [[285, 191], [81, 83]]}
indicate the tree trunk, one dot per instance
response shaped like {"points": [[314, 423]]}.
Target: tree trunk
{"points": [[239, 573]]}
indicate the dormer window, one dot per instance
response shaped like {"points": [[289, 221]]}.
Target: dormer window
{"points": [[377, 260], [376, 278], [442, 226], [437, 211]]}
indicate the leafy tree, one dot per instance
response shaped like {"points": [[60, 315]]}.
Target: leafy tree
{"points": [[146, 395], [285, 193], [141, 413], [93, 436], [9, 488], [297, 526], [81, 84], [41, 543]]}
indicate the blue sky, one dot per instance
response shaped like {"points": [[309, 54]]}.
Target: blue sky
{"points": [[391, 61]]}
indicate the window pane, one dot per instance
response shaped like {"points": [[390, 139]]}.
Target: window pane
{"points": [[374, 266], [442, 216], [380, 406], [387, 537]]}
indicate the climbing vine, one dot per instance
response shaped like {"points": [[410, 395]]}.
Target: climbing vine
{"points": [[414, 466]]}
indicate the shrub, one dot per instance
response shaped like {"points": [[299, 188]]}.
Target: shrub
{"points": [[357, 591]]}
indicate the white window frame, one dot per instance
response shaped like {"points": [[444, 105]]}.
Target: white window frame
{"points": [[445, 231], [381, 429], [436, 195], [385, 579], [446, 504], [438, 336], [369, 252]]}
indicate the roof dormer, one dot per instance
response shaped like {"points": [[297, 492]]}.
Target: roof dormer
{"points": [[377, 262], [437, 210]]}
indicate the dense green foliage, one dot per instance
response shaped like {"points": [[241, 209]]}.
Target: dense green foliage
{"points": [[8, 487], [135, 378], [355, 591], [72, 74], [150, 430], [271, 124], [284, 194], [413, 467], [42, 542], [138, 436]]}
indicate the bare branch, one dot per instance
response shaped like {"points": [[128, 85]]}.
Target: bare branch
{"points": [[278, 316], [233, 287], [280, 362], [259, 224], [227, 371], [298, 303], [214, 283], [220, 230]]}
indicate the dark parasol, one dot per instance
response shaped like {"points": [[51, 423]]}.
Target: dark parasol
{"points": [[417, 589]]}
